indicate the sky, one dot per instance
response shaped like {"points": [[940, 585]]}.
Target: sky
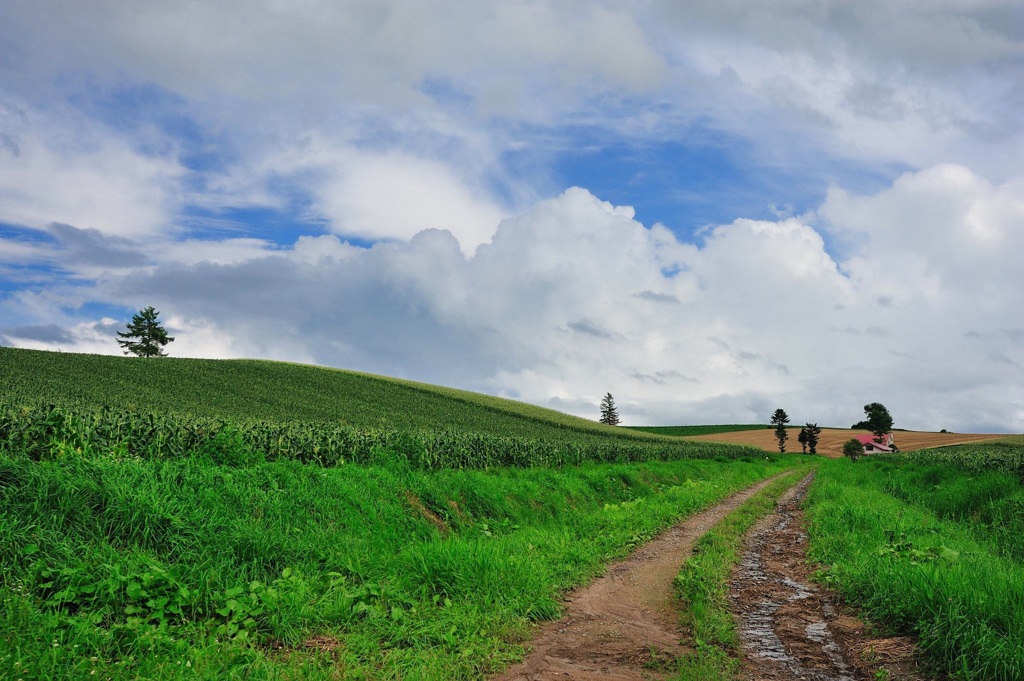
{"points": [[710, 209]]}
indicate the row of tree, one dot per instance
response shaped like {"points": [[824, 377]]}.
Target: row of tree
{"points": [[878, 420], [808, 437]]}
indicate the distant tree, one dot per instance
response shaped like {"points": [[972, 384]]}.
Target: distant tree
{"points": [[609, 416], [813, 433], [802, 439], [853, 449], [779, 419], [144, 337], [879, 421]]}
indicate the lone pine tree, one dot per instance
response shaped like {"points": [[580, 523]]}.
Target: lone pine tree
{"points": [[609, 416], [144, 337]]}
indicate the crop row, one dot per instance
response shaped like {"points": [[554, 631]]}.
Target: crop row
{"points": [[998, 456], [240, 390], [53, 431]]}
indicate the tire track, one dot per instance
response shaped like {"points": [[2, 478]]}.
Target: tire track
{"points": [[790, 628], [624, 626]]}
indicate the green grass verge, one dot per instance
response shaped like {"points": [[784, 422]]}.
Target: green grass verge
{"points": [[902, 542], [703, 586], [683, 431], [188, 569]]}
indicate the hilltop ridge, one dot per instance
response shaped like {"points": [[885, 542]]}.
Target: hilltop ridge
{"points": [[279, 391]]}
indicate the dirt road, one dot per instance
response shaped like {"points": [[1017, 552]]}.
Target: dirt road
{"points": [[789, 627], [831, 441], [624, 625]]}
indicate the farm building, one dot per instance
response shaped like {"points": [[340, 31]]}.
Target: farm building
{"points": [[874, 444]]}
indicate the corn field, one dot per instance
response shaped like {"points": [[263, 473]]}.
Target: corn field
{"points": [[50, 431], [1006, 456]]}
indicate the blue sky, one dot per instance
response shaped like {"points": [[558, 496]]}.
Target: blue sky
{"points": [[708, 209]]}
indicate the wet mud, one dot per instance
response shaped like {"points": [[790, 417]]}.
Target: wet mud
{"points": [[791, 628]]}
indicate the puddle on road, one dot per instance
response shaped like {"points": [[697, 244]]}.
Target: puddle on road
{"points": [[782, 621]]}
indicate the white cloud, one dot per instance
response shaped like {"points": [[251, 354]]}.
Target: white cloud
{"points": [[576, 298], [914, 83], [376, 53], [393, 197], [425, 124], [68, 170]]}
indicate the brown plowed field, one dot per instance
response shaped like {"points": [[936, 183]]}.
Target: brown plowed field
{"points": [[831, 441]]}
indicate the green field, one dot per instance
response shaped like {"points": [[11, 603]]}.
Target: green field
{"points": [[1006, 454], [152, 525], [279, 392], [179, 519], [242, 412]]}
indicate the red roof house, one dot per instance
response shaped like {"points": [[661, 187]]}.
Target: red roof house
{"points": [[875, 444]]}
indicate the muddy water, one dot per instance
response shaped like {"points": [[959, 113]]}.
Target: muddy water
{"points": [[782, 619]]}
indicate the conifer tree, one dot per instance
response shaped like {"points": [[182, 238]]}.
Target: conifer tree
{"points": [[813, 433], [802, 438], [779, 419], [144, 337], [609, 416]]}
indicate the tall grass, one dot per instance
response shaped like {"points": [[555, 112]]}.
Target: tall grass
{"points": [[915, 572], [181, 568]]}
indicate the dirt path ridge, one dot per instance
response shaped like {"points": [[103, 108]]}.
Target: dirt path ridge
{"points": [[624, 626]]}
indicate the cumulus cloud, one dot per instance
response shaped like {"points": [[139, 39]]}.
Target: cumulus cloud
{"points": [[150, 155], [93, 336], [439, 94], [395, 197], [575, 298]]}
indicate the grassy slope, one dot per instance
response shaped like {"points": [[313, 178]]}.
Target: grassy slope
{"points": [[184, 569], [278, 391], [928, 551]]}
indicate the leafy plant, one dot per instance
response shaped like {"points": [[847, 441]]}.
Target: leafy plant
{"points": [[853, 449]]}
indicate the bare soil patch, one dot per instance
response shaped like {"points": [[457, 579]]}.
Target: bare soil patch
{"points": [[624, 625], [831, 441], [789, 627]]}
